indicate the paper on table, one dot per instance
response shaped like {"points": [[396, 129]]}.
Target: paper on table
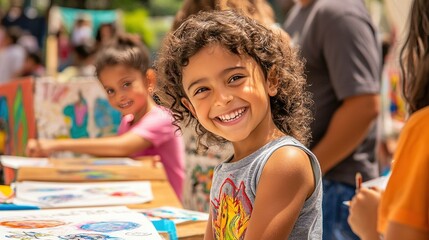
{"points": [[58, 194], [16, 162], [113, 223], [177, 215]]}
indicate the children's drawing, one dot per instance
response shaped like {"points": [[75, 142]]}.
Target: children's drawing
{"points": [[111, 191], [107, 118], [76, 114], [111, 226], [86, 236], [28, 235], [17, 121], [32, 224], [74, 109], [4, 126], [107, 223], [90, 174], [176, 215], [62, 198], [46, 189], [83, 194], [199, 171]]}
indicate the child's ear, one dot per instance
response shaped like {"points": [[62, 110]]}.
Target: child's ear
{"points": [[150, 79], [273, 84], [189, 106]]}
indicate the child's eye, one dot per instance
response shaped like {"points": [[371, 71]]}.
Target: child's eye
{"points": [[110, 91], [126, 84], [235, 78], [200, 90]]}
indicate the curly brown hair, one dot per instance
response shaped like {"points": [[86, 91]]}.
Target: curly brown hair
{"points": [[241, 35]]}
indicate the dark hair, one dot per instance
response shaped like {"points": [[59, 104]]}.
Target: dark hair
{"points": [[415, 58], [35, 57], [85, 49], [126, 50], [111, 26], [241, 35], [13, 33]]}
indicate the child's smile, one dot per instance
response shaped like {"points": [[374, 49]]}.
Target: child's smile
{"points": [[233, 116], [126, 90], [125, 104]]}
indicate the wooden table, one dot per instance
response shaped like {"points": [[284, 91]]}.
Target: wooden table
{"points": [[162, 191]]}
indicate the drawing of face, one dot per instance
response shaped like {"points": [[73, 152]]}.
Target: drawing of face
{"points": [[227, 93], [126, 90]]}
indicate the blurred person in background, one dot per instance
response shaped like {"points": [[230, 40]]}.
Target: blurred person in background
{"points": [[340, 45], [33, 65], [402, 210], [12, 55], [105, 33]]}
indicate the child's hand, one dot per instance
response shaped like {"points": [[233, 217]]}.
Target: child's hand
{"points": [[363, 213], [37, 148]]}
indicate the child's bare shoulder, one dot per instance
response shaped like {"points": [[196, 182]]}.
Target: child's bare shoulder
{"points": [[289, 163]]}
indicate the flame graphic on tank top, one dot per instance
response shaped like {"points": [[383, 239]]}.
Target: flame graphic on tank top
{"points": [[231, 211]]}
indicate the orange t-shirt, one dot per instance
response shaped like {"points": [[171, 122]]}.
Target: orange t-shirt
{"points": [[406, 199]]}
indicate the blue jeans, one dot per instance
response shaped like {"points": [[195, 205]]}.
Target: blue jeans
{"points": [[335, 213]]}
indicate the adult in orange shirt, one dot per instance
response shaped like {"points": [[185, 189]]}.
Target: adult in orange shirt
{"points": [[403, 212]]}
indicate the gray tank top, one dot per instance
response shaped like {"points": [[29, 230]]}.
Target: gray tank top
{"points": [[234, 189]]}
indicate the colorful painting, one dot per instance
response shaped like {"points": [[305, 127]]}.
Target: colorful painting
{"points": [[177, 215], [76, 109], [106, 223], [56, 194], [17, 119], [199, 171]]}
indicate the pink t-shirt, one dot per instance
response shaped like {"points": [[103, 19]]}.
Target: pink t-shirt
{"points": [[156, 127]]}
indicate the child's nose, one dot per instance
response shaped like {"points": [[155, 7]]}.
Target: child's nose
{"points": [[223, 97], [121, 95]]}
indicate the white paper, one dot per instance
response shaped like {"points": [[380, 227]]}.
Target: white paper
{"points": [[380, 182], [16, 162], [108, 223], [58, 194], [176, 215]]}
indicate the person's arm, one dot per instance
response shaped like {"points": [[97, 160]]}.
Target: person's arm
{"points": [[397, 231], [363, 214], [347, 129], [209, 229], [277, 206], [118, 146]]}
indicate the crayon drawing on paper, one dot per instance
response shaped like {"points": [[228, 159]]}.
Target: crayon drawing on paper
{"points": [[57, 194], [103, 223]]}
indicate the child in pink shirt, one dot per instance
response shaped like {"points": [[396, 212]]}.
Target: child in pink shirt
{"points": [[146, 129], [155, 126]]}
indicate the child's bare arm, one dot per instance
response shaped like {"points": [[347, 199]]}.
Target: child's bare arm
{"points": [[118, 146], [209, 229], [286, 182]]}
